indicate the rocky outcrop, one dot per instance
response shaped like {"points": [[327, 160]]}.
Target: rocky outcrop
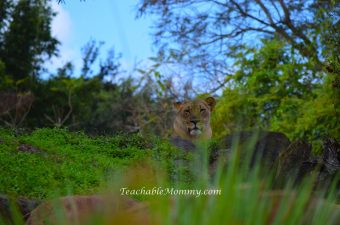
{"points": [[291, 160], [297, 163], [262, 146], [84, 209], [22, 206], [75, 210], [185, 145], [325, 168]]}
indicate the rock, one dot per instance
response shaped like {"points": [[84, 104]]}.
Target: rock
{"points": [[331, 155], [265, 146], [28, 148], [218, 156], [23, 205], [291, 160], [330, 165], [297, 163], [307, 168], [82, 209], [183, 144]]}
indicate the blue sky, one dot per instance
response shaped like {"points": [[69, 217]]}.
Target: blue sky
{"points": [[111, 21]]}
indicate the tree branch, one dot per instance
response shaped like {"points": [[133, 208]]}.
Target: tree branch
{"points": [[304, 49], [245, 14], [266, 11], [236, 33], [70, 108], [291, 26]]}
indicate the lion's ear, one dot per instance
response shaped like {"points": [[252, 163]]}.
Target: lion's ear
{"points": [[177, 105], [211, 102]]}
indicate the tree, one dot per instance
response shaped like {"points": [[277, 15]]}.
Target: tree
{"points": [[5, 10], [268, 94], [92, 100], [207, 34], [26, 39]]}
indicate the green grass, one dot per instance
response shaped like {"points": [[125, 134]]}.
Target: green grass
{"points": [[69, 162], [73, 163]]}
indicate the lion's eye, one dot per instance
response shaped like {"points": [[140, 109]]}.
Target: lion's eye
{"points": [[202, 110], [187, 112]]}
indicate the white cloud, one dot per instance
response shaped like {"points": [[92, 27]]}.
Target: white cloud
{"points": [[61, 24], [61, 27]]}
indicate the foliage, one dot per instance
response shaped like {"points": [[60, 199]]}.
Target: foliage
{"points": [[65, 162], [271, 83], [316, 119], [277, 70], [203, 35], [26, 39], [98, 100], [245, 197], [6, 82], [14, 108], [6, 6], [273, 91]]}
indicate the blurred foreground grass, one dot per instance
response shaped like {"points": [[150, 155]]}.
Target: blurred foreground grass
{"points": [[72, 163]]}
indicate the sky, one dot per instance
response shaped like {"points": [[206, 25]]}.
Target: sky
{"points": [[111, 21]]}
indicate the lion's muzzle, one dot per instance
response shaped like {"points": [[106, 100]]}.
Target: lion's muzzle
{"points": [[194, 130]]}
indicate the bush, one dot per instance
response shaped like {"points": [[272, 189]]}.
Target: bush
{"points": [[71, 162]]}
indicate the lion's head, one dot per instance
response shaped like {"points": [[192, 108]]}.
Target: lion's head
{"points": [[192, 121]]}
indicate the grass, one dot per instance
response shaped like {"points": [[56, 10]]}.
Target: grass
{"points": [[73, 163], [68, 161]]}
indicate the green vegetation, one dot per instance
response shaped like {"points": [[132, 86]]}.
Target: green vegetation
{"points": [[73, 163], [287, 80], [100, 128], [63, 162], [268, 94]]}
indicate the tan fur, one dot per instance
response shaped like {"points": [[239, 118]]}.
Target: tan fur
{"points": [[192, 120]]}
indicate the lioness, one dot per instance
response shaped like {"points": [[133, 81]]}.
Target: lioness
{"points": [[192, 120]]}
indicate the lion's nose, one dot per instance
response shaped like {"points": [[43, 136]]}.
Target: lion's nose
{"points": [[194, 122]]}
